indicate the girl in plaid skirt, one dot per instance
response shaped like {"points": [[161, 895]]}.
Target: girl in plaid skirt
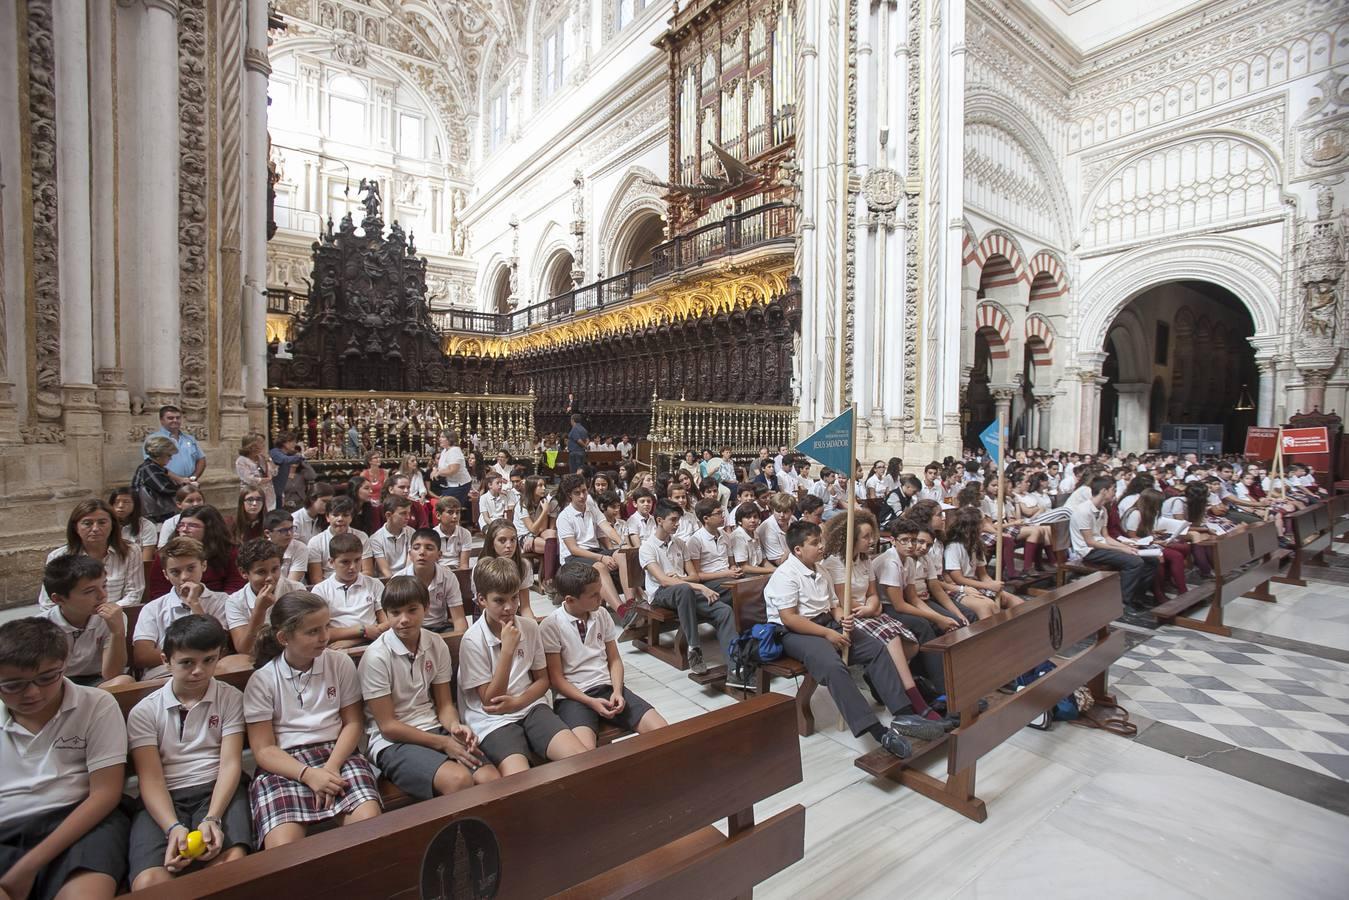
{"points": [[867, 616], [304, 717]]}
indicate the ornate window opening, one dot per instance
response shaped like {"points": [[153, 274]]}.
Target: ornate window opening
{"points": [[348, 110], [627, 11], [554, 57], [498, 121]]}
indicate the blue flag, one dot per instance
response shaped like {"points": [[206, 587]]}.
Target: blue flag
{"points": [[992, 441], [832, 445]]}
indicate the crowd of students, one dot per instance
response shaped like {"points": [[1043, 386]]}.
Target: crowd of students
{"points": [[339, 609]]}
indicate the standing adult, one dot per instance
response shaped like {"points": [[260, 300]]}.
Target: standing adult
{"points": [[187, 462], [286, 456], [577, 441], [256, 469], [451, 469]]}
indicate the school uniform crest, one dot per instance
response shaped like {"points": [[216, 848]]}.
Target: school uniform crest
{"points": [[332, 692], [428, 666], [213, 723]]}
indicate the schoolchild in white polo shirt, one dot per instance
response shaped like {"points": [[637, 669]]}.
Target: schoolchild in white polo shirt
{"points": [[584, 667], [503, 677], [641, 523], [579, 526], [279, 528], [184, 565], [494, 502], [312, 518], [745, 550], [707, 554], [60, 825], [302, 710], [95, 629], [352, 597], [187, 741], [340, 511], [678, 494], [670, 586], [411, 723], [445, 610], [801, 599], [246, 609], [390, 542], [772, 534]]}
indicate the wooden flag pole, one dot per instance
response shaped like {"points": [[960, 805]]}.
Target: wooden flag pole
{"points": [[1002, 462], [852, 508], [1278, 465]]}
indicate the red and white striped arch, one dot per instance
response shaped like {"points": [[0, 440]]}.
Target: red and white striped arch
{"points": [[1040, 340], [1045, 263], [995, 272], [996, 327]]}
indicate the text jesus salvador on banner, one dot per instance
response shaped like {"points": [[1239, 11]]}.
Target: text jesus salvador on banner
{"points": [[832, 445], [991, 440]]}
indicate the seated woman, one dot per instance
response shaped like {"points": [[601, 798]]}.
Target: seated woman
{"points": [[1016, 529], [92, 530], [205, 524]]}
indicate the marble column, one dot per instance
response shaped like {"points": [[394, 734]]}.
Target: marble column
{"points": [[951, 201], [1044, 404], [253, 182], [108, 374], [1264, 404], [1002, 403], [70, 28], [1133, 415], [9, 409], [1314, 389], [157, 197]]}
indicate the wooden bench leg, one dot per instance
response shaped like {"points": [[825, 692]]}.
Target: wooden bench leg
{"points": [[956, 793], [805, 719], [1294, 576], [1262, 593]]}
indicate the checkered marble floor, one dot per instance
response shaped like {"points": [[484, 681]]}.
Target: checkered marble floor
{"points": [[1279, 703]]}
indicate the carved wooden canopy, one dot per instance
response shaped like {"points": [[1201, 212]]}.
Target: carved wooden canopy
{"points": [[366, 324]]}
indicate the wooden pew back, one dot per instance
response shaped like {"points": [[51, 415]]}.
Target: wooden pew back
{"points": [[978, 658], [593, 825]]}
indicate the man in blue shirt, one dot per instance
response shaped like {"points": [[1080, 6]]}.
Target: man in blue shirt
{"points": [[577, 444], [189, 462]]}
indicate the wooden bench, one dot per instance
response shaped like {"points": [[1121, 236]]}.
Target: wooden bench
{"points": [[1243, 564], [594, 825], [1312, 530], [657, 620], [980, 657], [748, 603], [1339, 518]]}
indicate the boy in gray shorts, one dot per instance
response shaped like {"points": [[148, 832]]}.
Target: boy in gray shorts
{"points": [[413, 728], [584, 667]]}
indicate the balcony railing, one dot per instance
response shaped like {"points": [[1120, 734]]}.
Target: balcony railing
{"points": [[762, 225], [772, 223]]}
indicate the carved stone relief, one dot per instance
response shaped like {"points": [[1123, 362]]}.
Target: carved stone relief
{"points": [[193, 188], [42, 128]]}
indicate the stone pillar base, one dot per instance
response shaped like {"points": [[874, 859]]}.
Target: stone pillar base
{"points": [[9, 415]]}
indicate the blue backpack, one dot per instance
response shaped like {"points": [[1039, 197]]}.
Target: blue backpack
{"points": [[756, 645]]}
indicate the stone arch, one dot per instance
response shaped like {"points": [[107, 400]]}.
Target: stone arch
{"points": [[989, 107], [1049, 278], [1040, 340], [1248, 270], [970, 262], [498, 299], [633, 197], [1129, 337], [555, 273], [994, 273], [993, 322]]}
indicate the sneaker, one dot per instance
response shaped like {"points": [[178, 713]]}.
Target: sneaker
{"points": [[917, 727], [927, 689], [741, 682], [696, 664], [947, 723], [628, 613], [895, 745]]}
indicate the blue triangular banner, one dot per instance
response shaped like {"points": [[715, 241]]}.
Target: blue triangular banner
{"points": [[992, 441], [832, 445]]}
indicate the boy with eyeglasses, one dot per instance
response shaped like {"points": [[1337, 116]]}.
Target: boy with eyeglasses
{"points": [[62, 763]]}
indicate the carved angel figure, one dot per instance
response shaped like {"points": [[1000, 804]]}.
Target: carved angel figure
{"points": [[370, 188]]}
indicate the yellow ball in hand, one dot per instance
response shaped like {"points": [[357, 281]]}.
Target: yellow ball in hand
{"points": [[196, 846]]}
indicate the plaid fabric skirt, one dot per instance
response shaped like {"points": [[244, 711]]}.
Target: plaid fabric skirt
{"points": [[277, 800], [883, 628], [958, 592]]}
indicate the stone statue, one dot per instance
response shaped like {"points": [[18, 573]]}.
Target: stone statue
{"points": [[1320, 256], [1321, 305], [370, 188]]}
